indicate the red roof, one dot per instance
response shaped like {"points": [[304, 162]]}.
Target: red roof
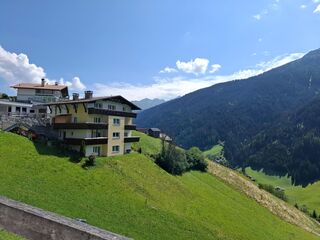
{"points": [[39, 86]]}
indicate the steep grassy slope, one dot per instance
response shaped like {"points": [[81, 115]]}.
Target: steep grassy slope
{"points": [[309, 196], [4, 235], [130, 195], [148, 145]]}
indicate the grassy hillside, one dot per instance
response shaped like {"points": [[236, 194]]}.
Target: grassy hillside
{"points": [[4, 235], [309, 196], [214, 151], [130, 195], [148, 145]]}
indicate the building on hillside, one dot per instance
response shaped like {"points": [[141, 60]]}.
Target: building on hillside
{"points": [[8, 107], [40, 93], [30, 96], [165, 137], [154, 132], [95, 125]]}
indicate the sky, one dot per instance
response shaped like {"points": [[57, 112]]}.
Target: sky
{"points": [[150, 49]]}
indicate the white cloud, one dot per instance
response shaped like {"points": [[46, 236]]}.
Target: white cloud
{"points": [[16, 68], [316, 1], [74, 84], [215, 68], [317, 10], [168, 70], [196, 66], [303, 6], [169, 88], [257, 17]]}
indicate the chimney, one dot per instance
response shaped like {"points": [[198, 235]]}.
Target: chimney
{"points": [[43, 81], [75, 96], [88, 94]]}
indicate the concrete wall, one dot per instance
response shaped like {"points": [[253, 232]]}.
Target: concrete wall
{"points": [[36, 224]]}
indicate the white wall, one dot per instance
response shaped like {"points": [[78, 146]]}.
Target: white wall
{"points": [[89, 150]]}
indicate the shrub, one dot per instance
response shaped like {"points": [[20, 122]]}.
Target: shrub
{"points": [[314, 214], [271, 189], [196, 160], [90, 161], [172, 159]]}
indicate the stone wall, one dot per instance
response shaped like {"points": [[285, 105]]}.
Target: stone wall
{"points": [[36, 224]]}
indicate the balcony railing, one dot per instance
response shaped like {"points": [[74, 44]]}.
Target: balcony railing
{"points": [[130, 127], [111, 112], [86, 141], [131, 139], [80, 126]]}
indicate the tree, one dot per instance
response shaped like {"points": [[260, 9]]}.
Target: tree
{"points": [[314, 214], [4, 96], [196, 159], [172, 159]]}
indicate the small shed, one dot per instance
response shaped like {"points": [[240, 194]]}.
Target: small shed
{"points": [[154, 132]]}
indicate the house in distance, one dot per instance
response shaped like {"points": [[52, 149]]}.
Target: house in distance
{"points": [[30, 96], [99, 126]]}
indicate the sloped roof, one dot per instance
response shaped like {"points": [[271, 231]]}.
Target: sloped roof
{"points": [[94, 99], [155, 129], [39, 86]]}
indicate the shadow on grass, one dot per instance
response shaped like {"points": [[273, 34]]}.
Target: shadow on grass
{"points": [[57, 150]]}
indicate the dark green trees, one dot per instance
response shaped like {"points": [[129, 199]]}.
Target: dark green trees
{"points": [[177, 161]]}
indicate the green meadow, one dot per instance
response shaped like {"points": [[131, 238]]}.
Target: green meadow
{"points": [[308, 196], [131, 195]]}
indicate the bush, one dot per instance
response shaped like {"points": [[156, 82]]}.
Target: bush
{"points": [[172, 159], [90, 161], [196, 159], [177, 161], [271, 189]]}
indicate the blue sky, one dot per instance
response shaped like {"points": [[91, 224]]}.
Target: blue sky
{"points": [[151, 48]]}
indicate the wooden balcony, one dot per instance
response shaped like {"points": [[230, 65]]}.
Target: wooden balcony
{"points": [[111, 113], [80, 126], [130, 127], [131, 139], [86, 141]]}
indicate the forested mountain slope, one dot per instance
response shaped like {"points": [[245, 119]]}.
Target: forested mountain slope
{"points": [[237, 111]]}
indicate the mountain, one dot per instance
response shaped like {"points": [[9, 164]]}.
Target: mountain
{"points": [[236, 111], [290, 145], [132, 196], [148, 103]]}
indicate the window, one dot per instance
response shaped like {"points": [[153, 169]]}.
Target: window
{"points": [[111, 107], [95, 133], [31, 110], [9, 109], [17, 109], [98, 105], [115, 148], [96, 149], [71, 133], [116, 121], [75, 120], [24, 109], [116, 135], [97, 120]]}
